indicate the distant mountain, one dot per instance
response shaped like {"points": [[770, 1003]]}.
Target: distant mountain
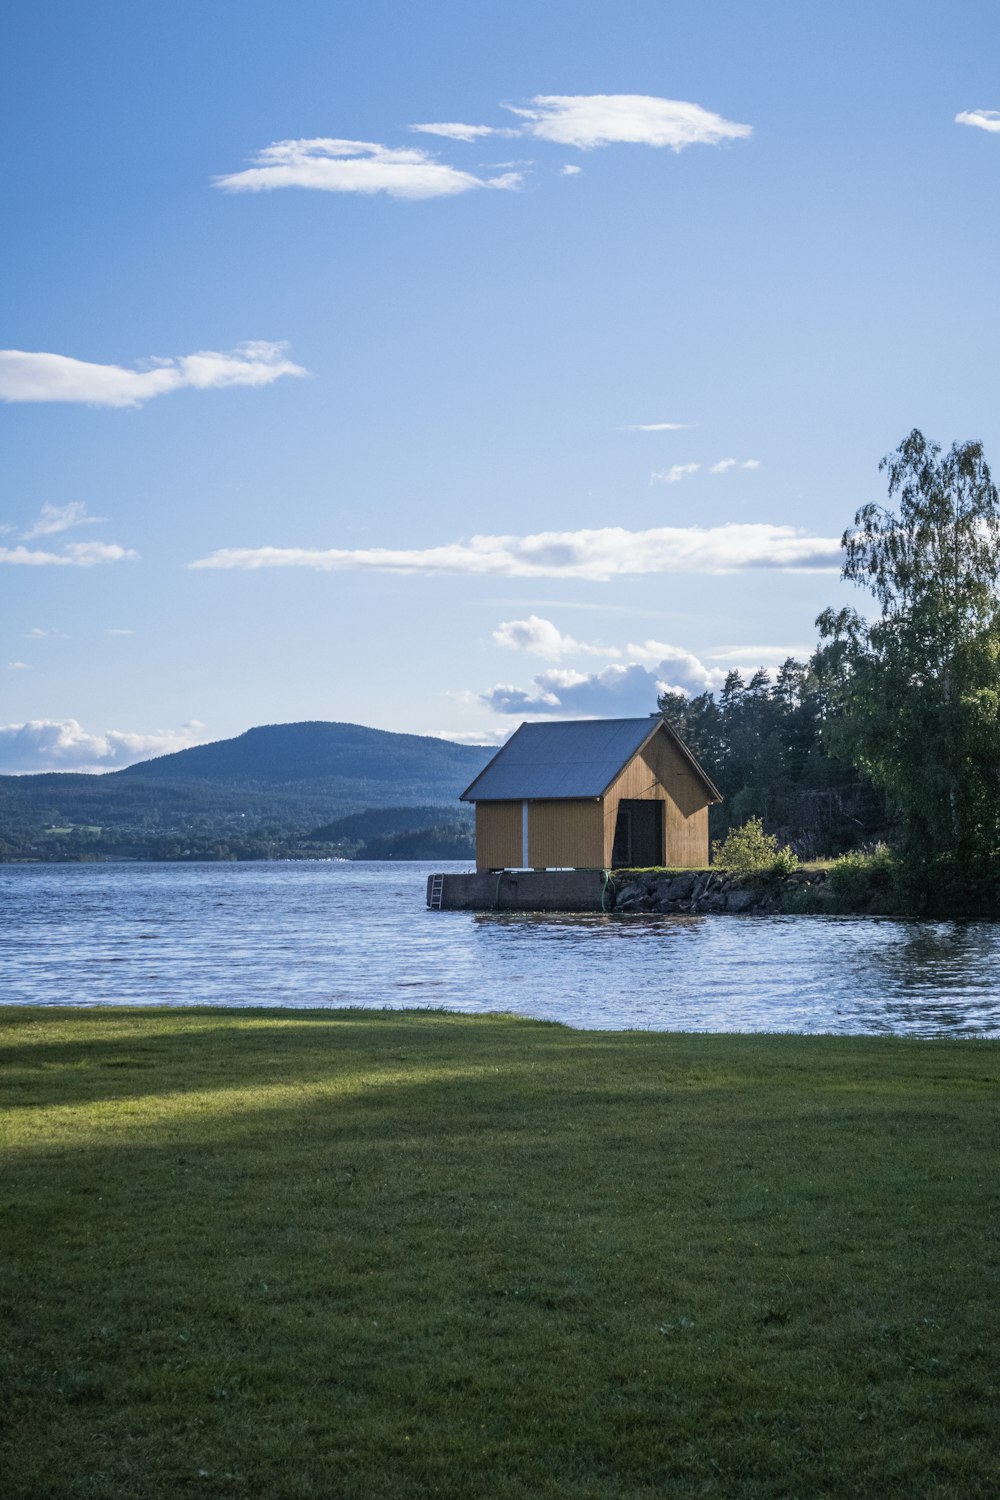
{"points": [[345, 754], [242, 797]]}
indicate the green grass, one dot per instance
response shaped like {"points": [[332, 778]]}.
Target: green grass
{"points": [[355, 1254]]}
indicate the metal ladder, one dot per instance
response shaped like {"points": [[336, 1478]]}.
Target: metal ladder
{"points": [[435, 892]]}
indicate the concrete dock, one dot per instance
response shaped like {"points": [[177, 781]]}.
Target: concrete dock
{"points": [[521, 890]]}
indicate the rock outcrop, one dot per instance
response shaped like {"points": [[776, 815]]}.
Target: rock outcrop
{"points": [[662, 892]]}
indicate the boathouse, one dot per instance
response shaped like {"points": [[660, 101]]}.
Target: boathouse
{"points": [[592, 794]]}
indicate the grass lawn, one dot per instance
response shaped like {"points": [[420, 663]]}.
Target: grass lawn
{"points": [[354, 1254]]}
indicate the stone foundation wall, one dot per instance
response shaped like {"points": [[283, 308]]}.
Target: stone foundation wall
{"points": [[717, 891], [656, 891]]}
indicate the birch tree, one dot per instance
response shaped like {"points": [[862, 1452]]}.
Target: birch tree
{"points": [[917, 702]]}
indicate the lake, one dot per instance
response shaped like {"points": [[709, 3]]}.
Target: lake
{"points": [[334, 934]]}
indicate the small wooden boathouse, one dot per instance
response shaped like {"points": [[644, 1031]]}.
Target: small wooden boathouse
{"points": [[592, 794]]}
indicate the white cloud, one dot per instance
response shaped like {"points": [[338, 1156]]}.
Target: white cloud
{"points": [[657, 427], [56, 518], [339, 166], [75, 555], [674, 474], [57, 377], [984, 119], [505, 698], [18, 666], [36, 633], [113, 631], [628, 688], [659, 653], [759, 656], [725, 464], [457, 132], [631, 687], [588, 120], [610, 552], [570, 171], [487, 737], [336, 165], [614, 691], [63, 745], [544, 639]]}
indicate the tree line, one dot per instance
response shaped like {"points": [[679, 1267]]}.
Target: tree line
{"points": [[891, 730], [762, 742]]}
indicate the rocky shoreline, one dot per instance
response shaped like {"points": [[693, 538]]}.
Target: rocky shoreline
{"points": [[718, 891], [801, 892]]}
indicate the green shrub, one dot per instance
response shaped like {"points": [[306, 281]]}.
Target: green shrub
{"points": [[751, 851], [859, 878], [784, 862]]}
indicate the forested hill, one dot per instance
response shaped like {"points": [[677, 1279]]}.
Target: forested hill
{"points": [[408, 767], [256, 794]]}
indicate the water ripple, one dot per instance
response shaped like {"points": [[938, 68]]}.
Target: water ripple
{"points": [[337, 934]]}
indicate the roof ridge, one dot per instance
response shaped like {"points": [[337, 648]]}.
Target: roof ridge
{"points": [[588, 754]]}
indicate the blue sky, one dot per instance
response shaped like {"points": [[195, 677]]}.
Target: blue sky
{"points": [[272, 359]]}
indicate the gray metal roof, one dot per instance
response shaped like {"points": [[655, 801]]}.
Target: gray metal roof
{"points": [[575, 758]]}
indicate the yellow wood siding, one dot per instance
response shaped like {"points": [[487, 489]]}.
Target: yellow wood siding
{"points": [[660, 772], [565, 832], [580, 833], [498, 835]]}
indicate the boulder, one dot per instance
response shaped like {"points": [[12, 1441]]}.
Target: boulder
{"points": [[740, 900], [679, 887], [711, 901]]}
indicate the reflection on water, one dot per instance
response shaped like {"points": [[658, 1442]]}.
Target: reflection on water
{"points": [[339, 934]]}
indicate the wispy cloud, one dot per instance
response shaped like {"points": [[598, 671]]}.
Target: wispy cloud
{"points": [[598, 555], [569, 170], [57, 377], [56, 518], [759, 656], [725, 464], [674, 474], [542, 638], [983, 119], [677, 472], [457, 132], [656, 427], [75, 555], [36, 633], [334, 164], [18, 666], [589, 120], [486, 737], [64, 745], [339, 166]]}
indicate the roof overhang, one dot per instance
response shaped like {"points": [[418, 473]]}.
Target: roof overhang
{"points": [[656, 726]]}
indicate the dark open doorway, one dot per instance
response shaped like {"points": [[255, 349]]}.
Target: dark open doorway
{"points": [[638, 834]]}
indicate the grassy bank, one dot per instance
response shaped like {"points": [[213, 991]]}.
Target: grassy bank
{"points": [[345, 1254]]}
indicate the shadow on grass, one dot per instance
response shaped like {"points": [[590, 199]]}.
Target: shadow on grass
{"points": [[261, 1062], [504, 1260]]}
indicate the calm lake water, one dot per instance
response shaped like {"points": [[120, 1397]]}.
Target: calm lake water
{"points": [[360, 934]]}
